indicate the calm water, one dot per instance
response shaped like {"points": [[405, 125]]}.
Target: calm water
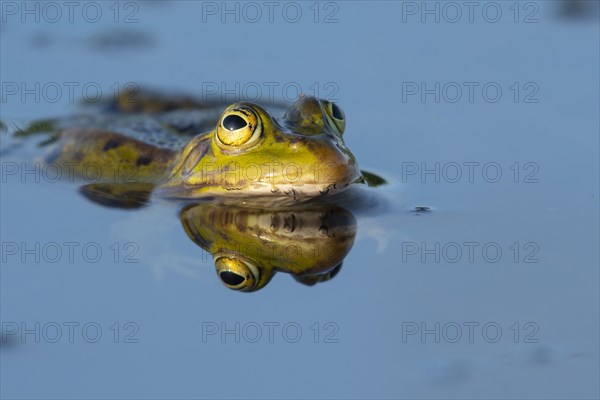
{"points": [[492, 293]]}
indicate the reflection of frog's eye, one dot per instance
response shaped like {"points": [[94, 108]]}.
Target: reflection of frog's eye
{"points": [[335, 116], [237, 274], [239, 127]]}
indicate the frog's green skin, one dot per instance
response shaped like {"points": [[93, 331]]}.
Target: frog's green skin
{"points": [[249, 245], [302, 156]]}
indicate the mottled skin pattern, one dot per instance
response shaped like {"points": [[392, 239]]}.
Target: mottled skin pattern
{"points": [[111, 157], [248, 154], [250, 245]]}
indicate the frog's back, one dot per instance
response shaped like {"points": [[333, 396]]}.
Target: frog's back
{"points": [[116, 141], [168, 130], [157, 119]]}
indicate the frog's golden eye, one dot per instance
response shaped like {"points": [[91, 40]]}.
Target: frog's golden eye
{"points": [[335, 116], [239, 127], [237, 274]]}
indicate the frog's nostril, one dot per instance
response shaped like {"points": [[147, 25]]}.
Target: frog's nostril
{"points": [[234, 122]]}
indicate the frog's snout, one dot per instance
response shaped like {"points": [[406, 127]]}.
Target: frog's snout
{"points": [[331, 170]]}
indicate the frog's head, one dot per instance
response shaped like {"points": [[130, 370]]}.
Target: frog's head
{"points": [[251, 154]]}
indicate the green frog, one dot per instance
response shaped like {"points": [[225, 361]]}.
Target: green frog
{"points": [[167, 147], [248, 175]]}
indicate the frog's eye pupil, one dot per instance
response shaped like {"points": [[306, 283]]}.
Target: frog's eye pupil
{"points": [[336, 111], [234, 122], [231, 278]]}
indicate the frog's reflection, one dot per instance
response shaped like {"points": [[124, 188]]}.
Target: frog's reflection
{"points": [[249, 245]]}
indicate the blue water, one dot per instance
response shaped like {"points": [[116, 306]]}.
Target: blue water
{"points": [[387, 326]]}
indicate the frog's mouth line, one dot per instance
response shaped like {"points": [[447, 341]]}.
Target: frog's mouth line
{"points": [[260, 191]]}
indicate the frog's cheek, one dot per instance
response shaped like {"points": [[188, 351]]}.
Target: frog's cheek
{"points": [[313, 177]]}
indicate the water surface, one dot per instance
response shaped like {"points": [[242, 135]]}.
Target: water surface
{"points": [[492, 293]]}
